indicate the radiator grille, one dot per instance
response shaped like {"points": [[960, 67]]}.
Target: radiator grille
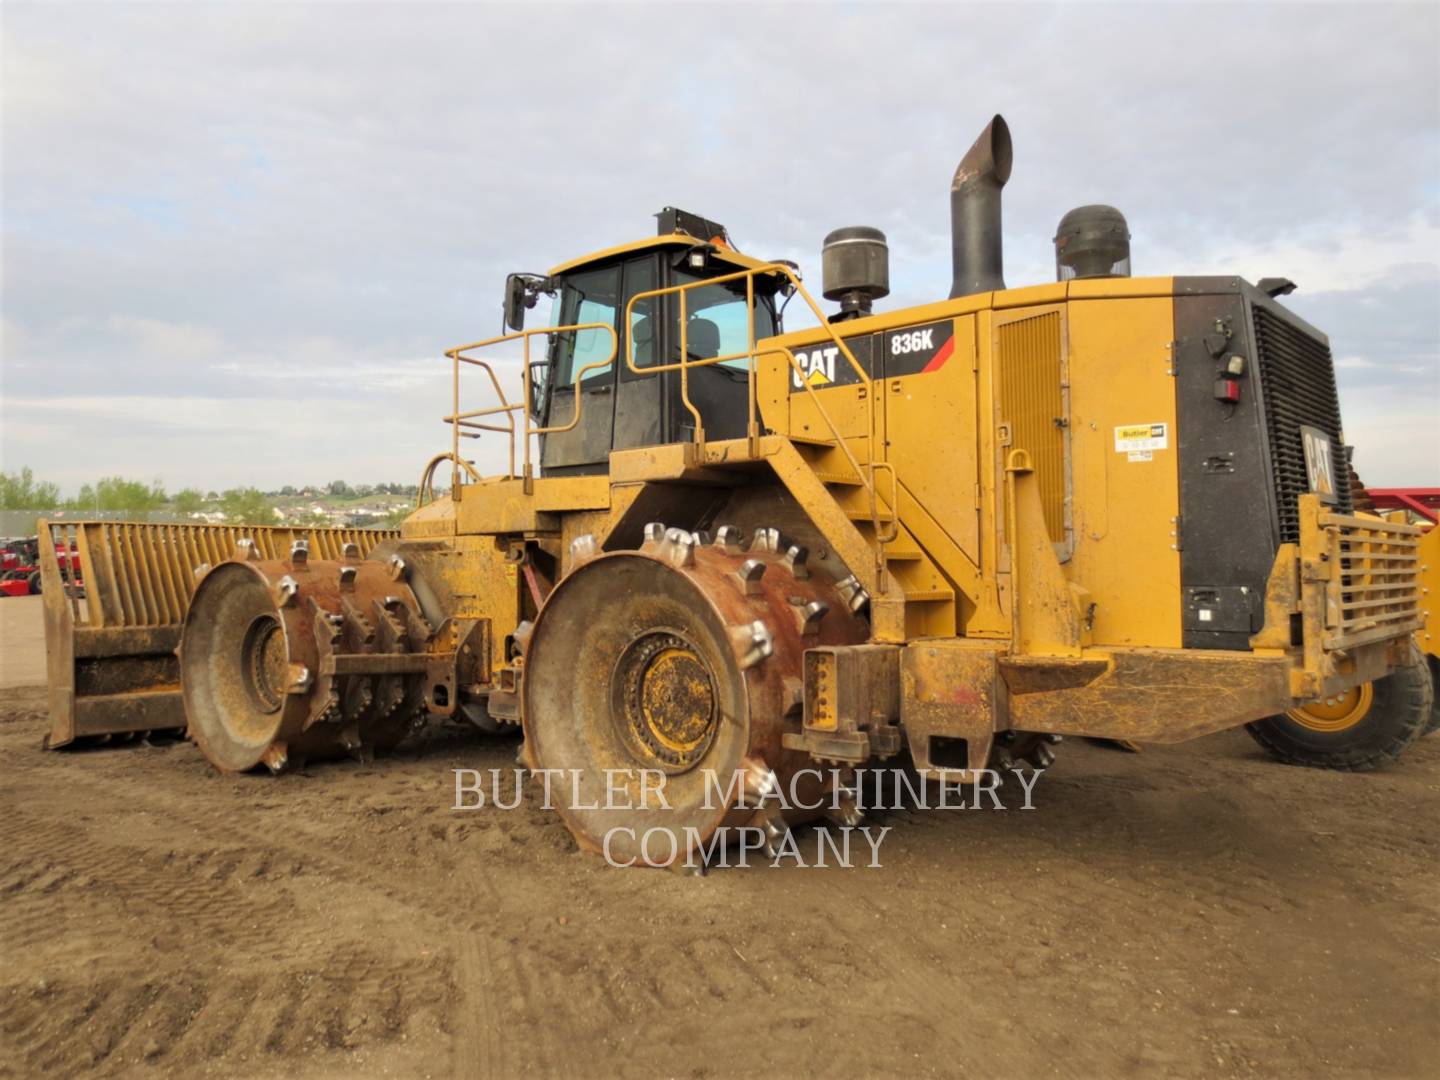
{"points": [[1298, 380], [1377, 596], [1032, 402]]}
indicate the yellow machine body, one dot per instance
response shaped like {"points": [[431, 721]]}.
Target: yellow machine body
{"points": [[1022, 560]]}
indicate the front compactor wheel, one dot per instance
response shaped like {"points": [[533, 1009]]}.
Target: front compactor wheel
{"points": [[1363, 728], [658, 683]]}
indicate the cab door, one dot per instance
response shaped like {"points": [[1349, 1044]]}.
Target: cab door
{"points": [[591, 296], [639, 398]]}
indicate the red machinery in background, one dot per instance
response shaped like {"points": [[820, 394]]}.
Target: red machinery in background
{"points": [[20, 566], [1421, 502]]}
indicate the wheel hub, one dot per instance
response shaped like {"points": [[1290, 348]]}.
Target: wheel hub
{"points": [[665, 700], [1337, 712], [265, 663]]}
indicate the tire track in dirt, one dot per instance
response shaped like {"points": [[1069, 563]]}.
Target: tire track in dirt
{"points": [[486, 980], [136, 880], [141, 1004], [181, 1016], [496, 979], [499, 979], [213, 820]]}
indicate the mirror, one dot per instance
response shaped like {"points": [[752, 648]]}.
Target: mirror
{"points": [[515, 304]]}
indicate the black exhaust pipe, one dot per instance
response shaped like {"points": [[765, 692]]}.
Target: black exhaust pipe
{"points": [[975, 246]]}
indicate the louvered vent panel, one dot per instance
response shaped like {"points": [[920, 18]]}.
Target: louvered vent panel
{"points": [[1032, 402]]}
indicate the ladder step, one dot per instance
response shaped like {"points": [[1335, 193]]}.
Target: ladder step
{"points": [[840, 479], [897, 553], [862, 513], [810, 440], [928, 595]]}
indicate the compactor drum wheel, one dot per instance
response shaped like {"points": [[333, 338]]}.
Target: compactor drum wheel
{"points": [[257, 657], [1360, 729], [667, 675]]}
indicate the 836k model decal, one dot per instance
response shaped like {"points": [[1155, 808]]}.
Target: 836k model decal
{"points": [[912, 350]]}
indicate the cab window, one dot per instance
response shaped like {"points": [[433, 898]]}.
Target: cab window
{"points": [[588, 297], [716, 323], [644, 329]]}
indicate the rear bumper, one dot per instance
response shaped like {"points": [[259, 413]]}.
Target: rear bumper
{"points": [[1342, 601]]}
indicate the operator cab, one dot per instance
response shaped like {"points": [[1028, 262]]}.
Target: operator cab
{"points": [[619, 408]]}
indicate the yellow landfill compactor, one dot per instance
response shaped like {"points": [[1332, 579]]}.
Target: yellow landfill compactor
{"points": [[948, 534]]}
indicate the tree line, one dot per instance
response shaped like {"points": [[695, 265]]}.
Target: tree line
{"points": [[20, 490]]}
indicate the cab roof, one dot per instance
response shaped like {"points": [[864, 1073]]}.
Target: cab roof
{"points": [[719, 253]]}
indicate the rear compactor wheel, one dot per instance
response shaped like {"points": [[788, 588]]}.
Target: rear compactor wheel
{"points": [[682, 660], [257, 653]]}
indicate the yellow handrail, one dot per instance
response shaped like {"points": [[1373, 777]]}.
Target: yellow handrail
{"points": [[506, 408], [752, 354], [471, 419], [427, 476]]}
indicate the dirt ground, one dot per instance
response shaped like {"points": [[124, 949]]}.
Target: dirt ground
{"points": [[22, 633], [1190, 911]]}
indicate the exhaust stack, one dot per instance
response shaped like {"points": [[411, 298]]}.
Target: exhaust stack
{"points": [[975, 239]]}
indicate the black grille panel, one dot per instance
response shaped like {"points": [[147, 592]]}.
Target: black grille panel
{"points": [[1297, 377]]}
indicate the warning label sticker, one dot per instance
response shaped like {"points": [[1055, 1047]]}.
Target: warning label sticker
{"points": [[1135, 439]]}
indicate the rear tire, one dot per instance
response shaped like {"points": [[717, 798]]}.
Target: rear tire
{"points": [[1434, 724], [34, 582], [1399, 708]]}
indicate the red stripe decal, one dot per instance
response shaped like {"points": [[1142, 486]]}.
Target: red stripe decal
{"points": [[941, 355]]}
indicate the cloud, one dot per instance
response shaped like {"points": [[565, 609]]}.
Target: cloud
{"points": [[166, 341], [1339, 260], [295, 213]]}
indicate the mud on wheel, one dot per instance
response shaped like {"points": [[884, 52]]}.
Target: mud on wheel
{"points": [[677, 666], [254, 649], [1363, 728]]}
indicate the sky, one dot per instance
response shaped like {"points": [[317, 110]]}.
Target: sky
{"points": [[238, 238]]}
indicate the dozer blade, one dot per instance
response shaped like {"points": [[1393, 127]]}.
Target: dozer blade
{"points": [[115, 596]]}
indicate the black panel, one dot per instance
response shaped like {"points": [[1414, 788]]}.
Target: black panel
{"points": [[1242, 465], [672, 220], [1227, 520]]}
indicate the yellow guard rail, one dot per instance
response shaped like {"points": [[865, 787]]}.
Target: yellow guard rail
{"points": [[478, 420]]}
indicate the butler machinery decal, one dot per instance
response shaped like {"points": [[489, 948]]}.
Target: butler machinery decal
{"points": [[917, 350]]}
